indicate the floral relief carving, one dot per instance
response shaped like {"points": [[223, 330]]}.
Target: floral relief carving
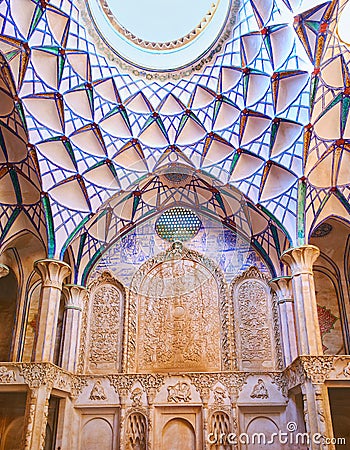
{"points": [[77, 385], [179, 335], [36, 374], [105, 328], [254, 327], [318, 368]]}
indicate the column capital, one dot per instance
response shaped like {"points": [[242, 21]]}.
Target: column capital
{"points": [[74, 296], [53, 272], [301, 259], [4, 270], [282, 286]]}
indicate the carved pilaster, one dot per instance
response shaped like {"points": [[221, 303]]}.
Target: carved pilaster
{"points": [[300, 261], [74, 296], [40, 379], [316, 401], [4, 270], [282, 287], [52, 273]]}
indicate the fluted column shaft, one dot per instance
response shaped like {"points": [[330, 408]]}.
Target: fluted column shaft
{"points": [[315, 396], [52, 273], [300, 260], [74, 296], [282, 286]]}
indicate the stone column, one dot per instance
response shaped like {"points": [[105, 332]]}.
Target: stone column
{"points": [[37, 410], [4, 270], [74, 296], [39, 379], [282, 286], [300, 260], [52, 274], [317, 412]]}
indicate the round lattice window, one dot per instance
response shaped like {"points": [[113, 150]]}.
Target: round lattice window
{"points": [[178, 224]]}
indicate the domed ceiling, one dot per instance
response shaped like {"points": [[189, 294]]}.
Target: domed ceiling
{"points": [[265, 112]]}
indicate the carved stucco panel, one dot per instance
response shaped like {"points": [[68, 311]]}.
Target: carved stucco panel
{"points": [[178, 315], [254, 321], [102, 326]]}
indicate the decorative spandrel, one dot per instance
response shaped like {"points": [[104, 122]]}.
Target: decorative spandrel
{"points": [[179, 319]]}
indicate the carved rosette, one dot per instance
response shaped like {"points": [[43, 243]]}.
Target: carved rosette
{"points": [[77, 385], [152, 384], [318, 368], [52, 272], [301, 259], [203, 384]]}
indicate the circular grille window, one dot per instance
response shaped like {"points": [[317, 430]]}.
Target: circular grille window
{"points": [[178, 224]]}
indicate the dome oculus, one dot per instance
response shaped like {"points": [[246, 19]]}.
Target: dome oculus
{"points": [[160, 35]]}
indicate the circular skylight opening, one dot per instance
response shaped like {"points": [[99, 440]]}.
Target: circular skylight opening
{"points": [[178, 224], [155, 20], [343, 28], [161, 35]]}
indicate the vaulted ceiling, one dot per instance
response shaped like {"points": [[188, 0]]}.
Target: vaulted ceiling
{"points": [[267, 117]]}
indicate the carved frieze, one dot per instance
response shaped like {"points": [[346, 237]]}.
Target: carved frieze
{"points": [[7, 375], [36, 374]]}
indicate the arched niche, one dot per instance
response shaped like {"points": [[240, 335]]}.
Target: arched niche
{"points": [[178, 434], [97, 433], [13, 435], [102, 326], [331, 274], [19, 253], [179, 316], [136, 433], [220, 426], [260, 430], [32, 300], [255, 322], [8, 313]]}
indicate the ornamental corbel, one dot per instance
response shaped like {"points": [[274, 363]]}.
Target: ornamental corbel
{"points": [[318, 368]]}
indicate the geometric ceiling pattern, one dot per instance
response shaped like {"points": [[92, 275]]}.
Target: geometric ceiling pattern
{"points": [[268, 116]]}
